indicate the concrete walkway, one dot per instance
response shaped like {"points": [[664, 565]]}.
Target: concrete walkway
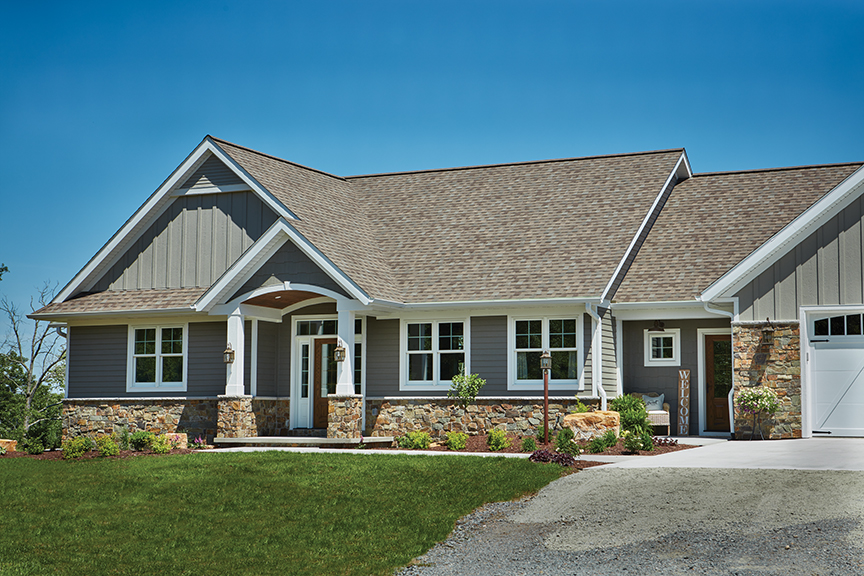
{"points": [[799, 454]]}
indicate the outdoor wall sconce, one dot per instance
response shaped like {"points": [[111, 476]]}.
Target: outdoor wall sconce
{"points": [[228, 355], [768, 327], [658, 326], [339, 354]]}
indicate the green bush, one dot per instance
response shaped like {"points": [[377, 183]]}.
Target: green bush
{"points": [[160, 444], [33, 446], [141, 439], [580, 408], [540, 437], [634, 417], [414, 441], [601, 443], [565, 442], [107, 446], [647, 441], [123, 437], [497, 440], [457, 440], [528, 444], [76, 447], [464, 388]]}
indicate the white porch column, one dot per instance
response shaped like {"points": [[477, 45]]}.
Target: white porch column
{"points": [[345, 380], [237, 341]]}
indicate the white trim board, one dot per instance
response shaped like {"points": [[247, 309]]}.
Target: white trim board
{"points": [[700, 349], [791, 235]]}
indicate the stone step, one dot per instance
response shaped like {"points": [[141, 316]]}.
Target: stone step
{"points": [[308, 432]]}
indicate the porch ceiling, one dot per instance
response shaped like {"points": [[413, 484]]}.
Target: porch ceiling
{"points": [[281, 299]]}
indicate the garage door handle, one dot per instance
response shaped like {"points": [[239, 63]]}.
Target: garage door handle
{"points": [[826, 340]]}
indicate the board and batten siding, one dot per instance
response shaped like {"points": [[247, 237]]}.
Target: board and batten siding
{"points": [[827, 268], [191, 244], [98, 358], [289, 264]]}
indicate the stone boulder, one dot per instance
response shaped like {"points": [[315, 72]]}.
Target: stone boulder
{"points": [[9, 445], [588, 425]]}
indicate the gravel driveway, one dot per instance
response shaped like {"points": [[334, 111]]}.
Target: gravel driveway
{"points": [[666, 521]]}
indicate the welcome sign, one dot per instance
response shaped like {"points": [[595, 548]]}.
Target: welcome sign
{"points": [[683, 402]]}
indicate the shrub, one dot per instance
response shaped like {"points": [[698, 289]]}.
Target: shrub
{"points": [[556, 457], [647, 441], [565, 442], [76, 447], [580, 408], [632, 442], [602, 443], [160, 444], [464, 388], [528, 444], [33, 446], [414, 441], [457, 440], [634, 417], [541, 438], [123, 438], [107, 446], [497, 440], [141, 439]]}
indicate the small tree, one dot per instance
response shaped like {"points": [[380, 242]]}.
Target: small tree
{"points": [[32, 367], [757, 401], [465, 388]]}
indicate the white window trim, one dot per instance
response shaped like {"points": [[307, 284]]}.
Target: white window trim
{"points": [[574, 384], [675, 333], [131, 386], [436, 384]]}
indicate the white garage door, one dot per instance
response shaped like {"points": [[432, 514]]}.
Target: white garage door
{"points": [[837, 370]]}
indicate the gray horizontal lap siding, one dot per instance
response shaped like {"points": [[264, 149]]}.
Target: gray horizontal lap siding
{"points": [[212, 173], [664, 379], [191, 244], [382, 358], [827, 268], [247, 357], [610, 358], [98, 358], [489, 353], [268, 348]]}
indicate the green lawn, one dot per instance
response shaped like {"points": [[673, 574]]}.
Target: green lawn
{"points": [[234, 513]]}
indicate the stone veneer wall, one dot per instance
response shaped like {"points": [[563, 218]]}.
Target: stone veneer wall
{"points": [[196, 417], [771, 358], [161, 416], [344, 416], [397, 416]]}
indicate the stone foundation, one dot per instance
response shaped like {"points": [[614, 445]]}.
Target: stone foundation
{"points": [[206, 417], [589, 425], [396, 416], [197, 417], [769, 355], [344, 416]]}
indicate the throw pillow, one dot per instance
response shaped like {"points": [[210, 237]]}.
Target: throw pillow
{"points": [[653, 403]]}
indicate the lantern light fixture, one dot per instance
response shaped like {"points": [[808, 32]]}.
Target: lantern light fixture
{"points": [[228, 355], [339, 354], [545, 360]]}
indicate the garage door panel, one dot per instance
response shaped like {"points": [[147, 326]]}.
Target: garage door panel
{"points": [[838, 386]]}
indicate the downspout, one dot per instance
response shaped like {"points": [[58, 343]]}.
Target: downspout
{"points": [[731, 316], [597, 355]]}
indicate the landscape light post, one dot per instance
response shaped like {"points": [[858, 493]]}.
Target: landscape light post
{"points": [[545, 366]]}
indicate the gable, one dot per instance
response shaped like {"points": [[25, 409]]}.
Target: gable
{"points": [[827, 268], [191, 244], [213, 175]]}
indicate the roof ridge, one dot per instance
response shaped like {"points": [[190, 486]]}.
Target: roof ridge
{"points": [[778, 169], [503, 164], [253, 151]]}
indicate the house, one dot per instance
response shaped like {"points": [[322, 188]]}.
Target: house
{"points": [[221, 304]]}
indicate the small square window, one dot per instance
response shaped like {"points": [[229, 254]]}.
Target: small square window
{"points": [[663, 348]]}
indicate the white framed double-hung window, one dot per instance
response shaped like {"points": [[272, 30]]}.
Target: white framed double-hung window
{"points": [[157, 358], [432, 353], [529, 337], [662, 348]]}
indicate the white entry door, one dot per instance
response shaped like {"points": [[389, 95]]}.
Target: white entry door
{"points": [[837, 371]]}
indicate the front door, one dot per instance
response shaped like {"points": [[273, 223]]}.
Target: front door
{"points": [[323, 380], [718, 381]]}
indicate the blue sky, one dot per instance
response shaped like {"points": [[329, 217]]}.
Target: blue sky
{"points": [[99, 102]]}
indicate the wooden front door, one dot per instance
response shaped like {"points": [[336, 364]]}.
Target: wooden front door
{"points": [[323, 380], [718, 381]]}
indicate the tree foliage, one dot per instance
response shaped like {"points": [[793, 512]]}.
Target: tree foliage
{"points": [[32, 369]]}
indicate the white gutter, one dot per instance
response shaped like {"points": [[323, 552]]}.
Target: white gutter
{"points": [[597, 356], [731, 316]]}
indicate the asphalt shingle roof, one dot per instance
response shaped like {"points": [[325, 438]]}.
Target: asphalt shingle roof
{"points": [[125, 301], [713, 221]]}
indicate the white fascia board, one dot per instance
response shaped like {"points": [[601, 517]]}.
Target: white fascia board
{"points": [[153, 208], [478, 307], [677, 310], [792, 234], [681, 169], [267, 245]]}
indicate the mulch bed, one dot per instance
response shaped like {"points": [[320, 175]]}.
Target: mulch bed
{"points": [[58, 454]]}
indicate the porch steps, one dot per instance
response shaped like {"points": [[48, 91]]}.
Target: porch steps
{"points": [[303, 441], [308, 432]]}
